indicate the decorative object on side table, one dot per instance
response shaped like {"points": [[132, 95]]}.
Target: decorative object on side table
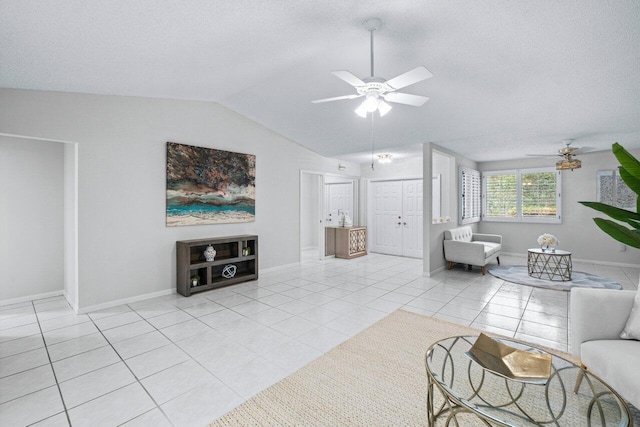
{"points": [[548, 242], [209, 253], [229, 271], [506, 361], [195, 280]]}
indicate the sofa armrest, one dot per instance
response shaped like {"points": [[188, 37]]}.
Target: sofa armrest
{"points": [[464, 252], [495, 238], [598, 314]]}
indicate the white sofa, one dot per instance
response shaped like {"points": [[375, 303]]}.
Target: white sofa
{"points": [[598, 316], [462, 245]]}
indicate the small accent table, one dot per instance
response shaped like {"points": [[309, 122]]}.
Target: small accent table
{"points": [[549, 265], [459, 390]]}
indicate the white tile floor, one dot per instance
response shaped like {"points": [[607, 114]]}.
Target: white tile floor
{"points": [[186, 361]]}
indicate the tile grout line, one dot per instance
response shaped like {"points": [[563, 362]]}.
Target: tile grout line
{"points": [[55, 376], [132, 373]]}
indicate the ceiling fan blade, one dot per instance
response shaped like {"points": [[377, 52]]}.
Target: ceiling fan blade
{"points": [[348, 77], [542, 155], [410, 77], [405, 98], [336, 98]]}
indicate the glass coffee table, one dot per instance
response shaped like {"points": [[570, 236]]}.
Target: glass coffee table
{"points": [[469, 392]]}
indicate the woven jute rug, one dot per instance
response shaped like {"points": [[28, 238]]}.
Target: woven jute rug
{"points": [[376, 378]]}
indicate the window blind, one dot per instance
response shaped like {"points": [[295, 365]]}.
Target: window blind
{"points": [[527, 195], [470, 202]]}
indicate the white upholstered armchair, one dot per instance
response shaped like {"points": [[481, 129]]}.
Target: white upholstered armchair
{"points": [[462, 245], [598, 316]]}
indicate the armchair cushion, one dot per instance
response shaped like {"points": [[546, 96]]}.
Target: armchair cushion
{"points": [[632, 328], [598, 316]]}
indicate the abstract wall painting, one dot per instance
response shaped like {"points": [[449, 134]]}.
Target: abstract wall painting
{"points": [[208, 186]]}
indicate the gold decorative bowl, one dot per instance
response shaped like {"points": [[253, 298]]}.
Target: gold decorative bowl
{"points": [[510, 362]]}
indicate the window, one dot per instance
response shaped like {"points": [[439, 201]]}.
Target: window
{"points": [[612, 190], [527, 195], [469, 196]]}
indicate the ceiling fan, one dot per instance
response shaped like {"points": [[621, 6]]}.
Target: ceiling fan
{"points": [[567, 153], [378, 90]]}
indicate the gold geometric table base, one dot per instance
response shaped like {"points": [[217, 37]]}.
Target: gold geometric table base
{"points": [[555, 266]]}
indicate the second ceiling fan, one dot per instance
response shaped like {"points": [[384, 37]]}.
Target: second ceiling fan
{"points": [[378, 90]]}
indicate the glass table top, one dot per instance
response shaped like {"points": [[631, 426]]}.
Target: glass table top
{"points": [[468, 387]]}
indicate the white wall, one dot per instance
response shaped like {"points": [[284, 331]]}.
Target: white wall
{"points": [[577, 232], [31, 217], [442, 165], [433, 259], [404, 168], [71, 223], [309, 210], [124, 248]]}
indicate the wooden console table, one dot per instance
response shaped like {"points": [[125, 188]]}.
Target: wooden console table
{"points": [[346, 242], [549, 265]]}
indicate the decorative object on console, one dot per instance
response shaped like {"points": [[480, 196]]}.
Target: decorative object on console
{"points": [[229, 271], [195, 280], [246, 251], [209, 254], [629, 171], [548, 242], [208, 186]]}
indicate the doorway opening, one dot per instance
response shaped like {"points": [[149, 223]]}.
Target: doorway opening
{"points": [[326, 200]]}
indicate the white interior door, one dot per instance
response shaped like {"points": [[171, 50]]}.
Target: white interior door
{"points": [[339, 199], [412, 218], [387, 217]]}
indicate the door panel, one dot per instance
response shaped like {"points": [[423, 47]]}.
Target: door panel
{"points": [[412, 218], [339, 200], [387, 217]]}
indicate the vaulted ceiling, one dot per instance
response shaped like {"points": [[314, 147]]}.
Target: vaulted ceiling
{"points": [[510, 76]]}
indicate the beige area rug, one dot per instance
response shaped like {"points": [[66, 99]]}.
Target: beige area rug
{"points": [[376, 378]]}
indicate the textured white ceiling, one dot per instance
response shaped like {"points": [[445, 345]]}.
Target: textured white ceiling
{"points": [[510, 77]]}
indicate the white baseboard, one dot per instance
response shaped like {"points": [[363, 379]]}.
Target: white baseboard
{"points": [[73, 305], [83, 310], [31, 297], [279, 267], [434, 272], [309, 248]]}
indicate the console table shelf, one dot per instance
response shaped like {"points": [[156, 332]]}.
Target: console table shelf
{"points": [[229, 251]]}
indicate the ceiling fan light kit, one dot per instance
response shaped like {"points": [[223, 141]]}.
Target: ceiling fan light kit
{"points": [[568, 164], [568, 153], [377, 91], [384, 158]]}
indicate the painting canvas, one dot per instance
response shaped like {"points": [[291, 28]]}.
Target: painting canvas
{"points": [[208, 186]]}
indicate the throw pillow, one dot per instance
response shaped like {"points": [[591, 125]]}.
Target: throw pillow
{"points": [[631, 330]]}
